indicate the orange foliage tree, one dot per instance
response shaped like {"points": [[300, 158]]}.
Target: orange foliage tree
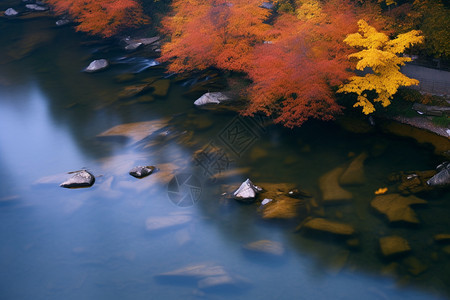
{"points": [[219, 33], [293, 76], [295, 60], [105, 17]]}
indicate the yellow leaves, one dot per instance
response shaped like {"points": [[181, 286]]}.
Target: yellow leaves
{"points": [[380, 56], [404, 41], [388, 2], [367, 107], [308, 10], [381, 191]]}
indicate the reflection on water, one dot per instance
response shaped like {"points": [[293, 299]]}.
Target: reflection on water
{"points": [[111, 241]]}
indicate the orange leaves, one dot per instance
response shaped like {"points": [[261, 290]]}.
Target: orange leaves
{"points": [[213, 33], [294, 60], [105, 17]]}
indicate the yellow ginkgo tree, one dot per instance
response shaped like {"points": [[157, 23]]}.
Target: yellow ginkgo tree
{"points": [[380, 58]]}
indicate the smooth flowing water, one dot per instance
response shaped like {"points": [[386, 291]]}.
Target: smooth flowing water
{"points": [[93, 243]]}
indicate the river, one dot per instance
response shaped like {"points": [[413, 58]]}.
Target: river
{"points": [[94, 243]]}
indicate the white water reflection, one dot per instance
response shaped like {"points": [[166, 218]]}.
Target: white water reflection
{"points": [[31, 145]]}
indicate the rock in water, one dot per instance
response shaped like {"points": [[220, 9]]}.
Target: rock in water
{"points": [[328, 226], [11, 12], [396, 207], [332, 192], [97, 65], [247, 191], [211, 98], [140, 171], [354, 174], [265, 247], [442, 178], [393, 245], [207, 276], [80, 179]]}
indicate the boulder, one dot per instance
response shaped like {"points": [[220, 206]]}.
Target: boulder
{"points": [[97, 65], [141, 171], [393, 245], [79, 179], [354, 174], [246, 192], [11, 12], [332, 192], [328, 226], [211, 98], [160, 223], [442, 178], [397, 208], [265, 247]]}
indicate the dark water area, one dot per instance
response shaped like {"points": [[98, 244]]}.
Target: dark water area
{"points": [[95, 243]]}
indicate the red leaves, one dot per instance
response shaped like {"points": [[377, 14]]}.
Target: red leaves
{"points": [[105, 17], [213, 33], [294, 62]]}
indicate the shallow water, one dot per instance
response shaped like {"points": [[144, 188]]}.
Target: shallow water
{"points": [[93, 244]]}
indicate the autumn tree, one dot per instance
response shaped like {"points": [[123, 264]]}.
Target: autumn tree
{"points": [[434, 21], [219, 33], [105, 18], [380, 56], [293, 75]]}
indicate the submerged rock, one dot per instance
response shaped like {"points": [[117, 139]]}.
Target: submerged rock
{"points": [[414, 265], [265, 247], [246, 192], [211, 98], [160, 87], [11, 12], [393, 245], [97, 65], [413, 182], [206, 276], [160, 223], [442, 178], [141, 171], [133, 90], [396, 207], [80, 179], [134, 131], [354, 174], [328, 226], [282, 207], [332, 192]]}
